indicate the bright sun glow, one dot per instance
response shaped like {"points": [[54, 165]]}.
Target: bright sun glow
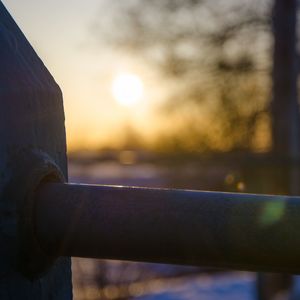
{"points": [[127, 89]]}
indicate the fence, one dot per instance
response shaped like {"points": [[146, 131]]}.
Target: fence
{"points": [[44, 221]]}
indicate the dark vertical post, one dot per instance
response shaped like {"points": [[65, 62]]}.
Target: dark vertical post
{"points": [[31, 121], [285, 106], [285, 118]]}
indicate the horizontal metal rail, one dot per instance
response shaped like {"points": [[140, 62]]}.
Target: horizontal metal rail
{"points": [[224, 230]]}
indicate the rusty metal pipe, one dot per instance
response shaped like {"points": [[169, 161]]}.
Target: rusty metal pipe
{"points": [[224, 230]]}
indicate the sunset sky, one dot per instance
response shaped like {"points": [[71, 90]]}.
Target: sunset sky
{"points": [[128, 67], [60, 33]]}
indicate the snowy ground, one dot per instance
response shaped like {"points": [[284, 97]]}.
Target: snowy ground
{"points": [[225, 286]]}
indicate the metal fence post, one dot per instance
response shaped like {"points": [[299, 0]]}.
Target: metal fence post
{"points": [[32, 147]]}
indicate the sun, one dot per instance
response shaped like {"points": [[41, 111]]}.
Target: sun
{"points": [[127, 89]]}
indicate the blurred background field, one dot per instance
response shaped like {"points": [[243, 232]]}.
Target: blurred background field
{"points": [[127, 280]]}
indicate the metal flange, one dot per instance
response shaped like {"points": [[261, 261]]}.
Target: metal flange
{"points": [[30, 170]]}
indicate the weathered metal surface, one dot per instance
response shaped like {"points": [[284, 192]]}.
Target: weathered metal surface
{"points": [[237, 231], [31, 120]]}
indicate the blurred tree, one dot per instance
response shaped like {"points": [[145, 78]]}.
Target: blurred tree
{"points": [[217, 55]]}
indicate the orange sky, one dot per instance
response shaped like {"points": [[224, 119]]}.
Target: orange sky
{"points": [[59, 32]]}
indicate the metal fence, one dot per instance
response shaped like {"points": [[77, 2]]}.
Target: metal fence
{"points": [[44, 221]]}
